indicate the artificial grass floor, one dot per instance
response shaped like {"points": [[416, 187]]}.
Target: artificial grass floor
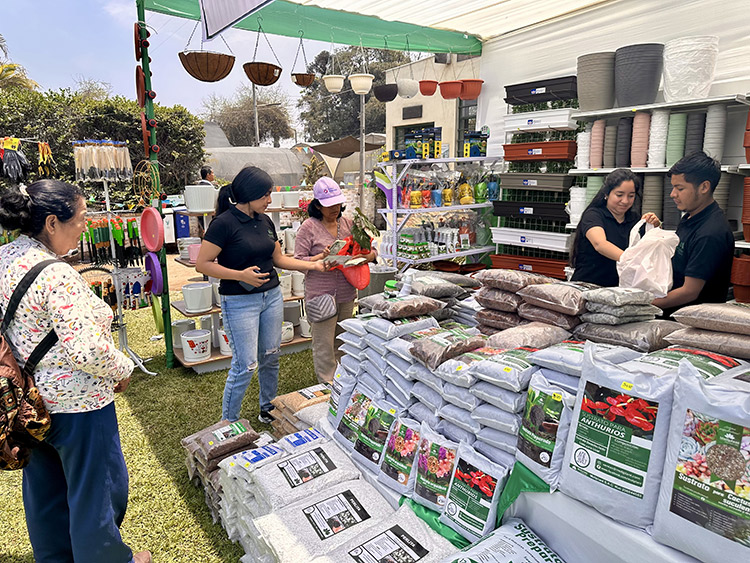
{"points": [[166, 513]]}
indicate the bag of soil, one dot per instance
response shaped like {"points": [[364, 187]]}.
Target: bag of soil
{"points": [[510, 280], [498, 455], [490, 415], [388, 330], [567, 356], [352, 339], [458, 370], [473, 495], [544, 429], [509, 401], [302, 441], [645, 336], [510, 370], [703, 500], [427, 396], [422, 413], [618, 296], [435, 460], [355, 326], [435, 287], [420, 373], [605, 319], [404, 385], [488, 330], [353, 417], [445, 314], [307, 397], [244, 464], [376, 343], [539, 335], [373, 433], [365, 304], [460, 417], [623, 310], [434, 350], [721, 317], [229, 438], [563, 297], [460, 397], [533, 313], [568, 382], [401, 365], [498, 300], [498, 319], [708, 364], [376, 359], [458, 279], [310, 416], [353, 351], [341, 390], [374, 388], [351, 365], [512, 542], [737, 345], [454, 432], [614, 455], [398, 469], [408, 306], [498, 439], [395, 395]]}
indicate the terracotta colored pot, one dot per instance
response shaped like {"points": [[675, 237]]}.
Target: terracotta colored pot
{"points": [[746, 231], [742, 293], [450, 89], [471, 88], [747, 154], [446, 266], [303, 79], [746, 140], [747, 125], [385, 92], [206, 66], [547, 266], [741, 270], [428, 87], [550, 150], [262, 74]]}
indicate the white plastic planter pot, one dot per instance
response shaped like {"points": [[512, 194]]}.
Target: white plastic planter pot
{"points": [[361, 83], [407, 88], [334, 82]]}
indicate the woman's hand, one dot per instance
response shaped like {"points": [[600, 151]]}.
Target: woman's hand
{"points": [[253, 276], [319, 266], [652, 219], [325, 252], [122, 385]]}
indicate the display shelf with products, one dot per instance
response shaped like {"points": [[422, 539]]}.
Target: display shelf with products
{"points": [[586, 171], [468, 252], [682, 105]]}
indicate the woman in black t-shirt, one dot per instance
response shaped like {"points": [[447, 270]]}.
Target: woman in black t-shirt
{"points": [[603, 232]]}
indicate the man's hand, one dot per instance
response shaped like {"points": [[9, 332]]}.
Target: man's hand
{"points": [[122, 385]]}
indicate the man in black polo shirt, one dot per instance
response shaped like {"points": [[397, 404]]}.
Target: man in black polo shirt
{"points": [[702, 262]]}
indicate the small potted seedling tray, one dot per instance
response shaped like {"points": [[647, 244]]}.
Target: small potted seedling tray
{"points": [[525, 209], [535, 181], [563, 88], [548, 150], [545, 266]]}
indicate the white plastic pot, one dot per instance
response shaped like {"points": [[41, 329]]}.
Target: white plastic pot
{"points": [[290, 238], [287, 332], [285, 281], [361, 83], [334, 83], [224, 347], [198, 297], [407, 88], [277, 199], [201, 198], [178, 327], [291, 199], [298, 283], [196, 345]]}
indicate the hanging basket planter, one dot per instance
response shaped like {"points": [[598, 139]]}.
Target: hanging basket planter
{"points": [[428, 87], [262, 74], [385, 92], [303, 79], [361, 83], [451, 89], [207, 66], [407, 87], [334, 82], [471, 88]]}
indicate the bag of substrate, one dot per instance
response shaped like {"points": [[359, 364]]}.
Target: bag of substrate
{"points": [[374, 388], [618, 296], [427, 396], [703, 506], [244, 464], [422, 413], [513, 542], [376, 373], [509, 401], [230, 437], [473, 495], [356, 325], [389, 330], [401, 346], [403, 537], [398, 469], [349, 350], [568, 382], [510, 280], [352, 339], [395, 395], [624, 310], [737, 345], [498, 319], [434, 350], [497, 299], [721, 317], [404, 385], [432, 286], [307, 397], [466, 320], [605, 319], [460, 397], [614, 455], [460, 417], [457, 371], [399, 364], [498, 439], [645, 336], [567, 356], [458, 279], [490, 415], [488, 330], [367, 303], [352, 365], [533, 313], [544, 429], [311, 415], [341, 389], [301, 441], [563, 297], [376, 343], [373, 433], [539, 335], [498, 455], [353, 416], [408, 306], [453, 325], [708, 364], [420, 373], [323, 522], [444, 314], [435, 461], [510, 370]]}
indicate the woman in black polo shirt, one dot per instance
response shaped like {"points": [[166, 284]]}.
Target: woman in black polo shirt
{"points": [[243, 241], [603, 232]]}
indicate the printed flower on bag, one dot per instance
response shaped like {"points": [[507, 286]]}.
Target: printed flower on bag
{"points": [[635, 411], [432, 464], [485, 483]]}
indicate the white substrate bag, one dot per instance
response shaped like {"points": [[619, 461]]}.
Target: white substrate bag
{"points": [[568, 382], [426, 376], [341, 390], [704, 501], [498, 439], [458, 370], [398, 469], [244, 464], [353, 417], [544, 429], [373, 433], [567, 356], [390, 329], [708, 364], [311, 415], [402, 538], [323, 522], [510, 370], [372, 385], [509, 401], [295, 478], [460, 397], [394, 394], [460, 417], [356, 325], [351, 339], [422, 413], [399, 364], [615, 451], [375, 373], [352, 351], [435, 461], [352, 365], [376, 343], [490, 415], [375, 359], [498, 455], [474, 494], [404, 385], [302, 441], [427, 396], [513, 542], [454, 432]]}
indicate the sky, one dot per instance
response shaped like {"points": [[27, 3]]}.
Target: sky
{"points": [[59, 41]]}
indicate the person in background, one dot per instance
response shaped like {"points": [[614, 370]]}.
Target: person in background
{"points": [[207, 175], [702, 262], [603, 233], [314, 238], [75, 487], [243, 241]]}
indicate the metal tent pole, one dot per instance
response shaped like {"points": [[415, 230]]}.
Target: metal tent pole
{"points": [[362, 152]]}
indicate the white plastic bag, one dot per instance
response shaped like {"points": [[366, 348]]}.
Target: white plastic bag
{"points": [[647, 262]]}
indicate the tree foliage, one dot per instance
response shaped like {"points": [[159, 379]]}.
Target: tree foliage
{"points": [[327, 116], [13, 75], [235, 115], [59, 117]]}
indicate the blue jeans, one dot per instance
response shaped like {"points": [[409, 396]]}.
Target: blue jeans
{"points": [[253, 325], [75, 491]]}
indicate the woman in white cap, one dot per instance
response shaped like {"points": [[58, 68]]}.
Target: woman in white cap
{"points": [[314, 239]]}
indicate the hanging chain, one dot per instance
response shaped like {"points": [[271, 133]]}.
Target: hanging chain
{"points": [[225, 43], [260, 30], [408, 55], [257, 38], [191, 36], [300, 46]]}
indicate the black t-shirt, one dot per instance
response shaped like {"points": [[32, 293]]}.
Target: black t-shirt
{"points": [[244, 241], [705, 252], [590, 266]]}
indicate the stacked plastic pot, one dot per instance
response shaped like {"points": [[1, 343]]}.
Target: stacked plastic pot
{"points": [[638, 73]]}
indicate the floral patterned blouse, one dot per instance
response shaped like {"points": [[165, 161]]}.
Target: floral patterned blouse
{"points": [[81, 370]]}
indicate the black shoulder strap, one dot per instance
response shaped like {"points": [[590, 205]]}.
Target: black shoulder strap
{"points": [[15, 299]]}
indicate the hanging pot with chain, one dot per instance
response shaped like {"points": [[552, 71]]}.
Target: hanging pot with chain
{"points": [[262, 74]]}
